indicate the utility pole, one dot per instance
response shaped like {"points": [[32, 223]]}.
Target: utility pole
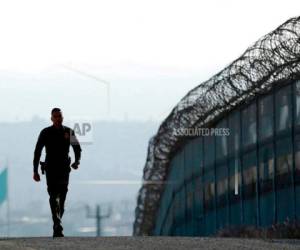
{"points": [[98, 217]]}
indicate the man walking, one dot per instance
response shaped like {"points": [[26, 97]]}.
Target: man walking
{"points": [[57, 140]]}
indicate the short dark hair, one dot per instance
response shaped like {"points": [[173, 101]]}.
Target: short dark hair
{"points": [[55, 110]]}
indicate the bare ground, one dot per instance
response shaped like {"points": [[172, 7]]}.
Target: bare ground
{"points": [[143, 243]]}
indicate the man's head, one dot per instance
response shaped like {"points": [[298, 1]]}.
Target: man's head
{"points": [[56, 117]]}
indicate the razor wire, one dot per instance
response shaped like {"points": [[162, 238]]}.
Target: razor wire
{"points": [[272, 59]]}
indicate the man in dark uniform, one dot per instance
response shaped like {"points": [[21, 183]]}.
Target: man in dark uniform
{"points": [[57, 140]]}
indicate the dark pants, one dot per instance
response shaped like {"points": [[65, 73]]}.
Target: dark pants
{"points": [[57, 187]]}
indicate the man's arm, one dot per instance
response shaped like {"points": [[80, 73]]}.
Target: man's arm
{"points": [[76, 147], [38, 151]]}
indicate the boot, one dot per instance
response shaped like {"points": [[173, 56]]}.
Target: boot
{"points": [[57, 230]]}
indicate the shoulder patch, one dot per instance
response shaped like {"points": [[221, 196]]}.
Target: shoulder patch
{"points": [[67, 135]]}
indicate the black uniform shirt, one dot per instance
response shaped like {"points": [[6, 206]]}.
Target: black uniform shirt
{"points": [[57, 142]]}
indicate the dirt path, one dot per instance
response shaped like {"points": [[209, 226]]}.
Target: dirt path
{"points": [[143, 243]]}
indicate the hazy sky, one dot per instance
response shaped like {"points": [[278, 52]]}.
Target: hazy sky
{"points": [[150, 52]]}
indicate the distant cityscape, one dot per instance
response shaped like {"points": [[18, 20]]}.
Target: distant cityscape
{"points": [[110, 175]]}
